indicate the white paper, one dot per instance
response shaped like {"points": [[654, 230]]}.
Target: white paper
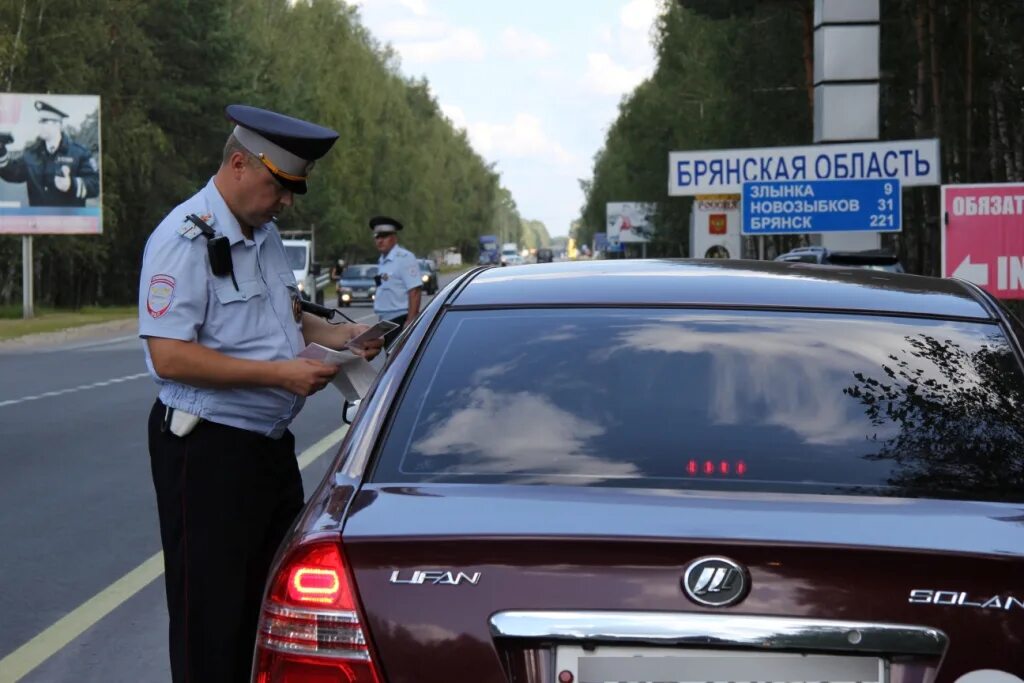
{"points": [[355, 374]]}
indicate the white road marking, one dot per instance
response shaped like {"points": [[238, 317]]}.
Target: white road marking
{"points": [[116, 380], [36, 651], [61, 392]]}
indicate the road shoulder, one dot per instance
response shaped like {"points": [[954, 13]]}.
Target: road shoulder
{"points": [[83, 334]]}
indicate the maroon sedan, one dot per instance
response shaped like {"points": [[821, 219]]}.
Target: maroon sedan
{"points": [[672, 471]]}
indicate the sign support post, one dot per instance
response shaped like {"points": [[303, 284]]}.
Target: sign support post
{"points": [[27, 295], [846, 90]]}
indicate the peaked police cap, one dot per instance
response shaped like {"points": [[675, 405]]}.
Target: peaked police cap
{"points": [[287, 146], [44, 108], [382, 225]]}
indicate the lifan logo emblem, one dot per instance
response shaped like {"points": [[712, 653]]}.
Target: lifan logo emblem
{"points": [[715, 582], [438, 577]]}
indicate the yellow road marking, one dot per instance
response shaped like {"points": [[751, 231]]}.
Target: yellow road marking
{"points": [[321, 447], [36, 651]]}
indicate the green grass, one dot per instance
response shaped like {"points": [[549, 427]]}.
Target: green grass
{"points": [[51, 320]]}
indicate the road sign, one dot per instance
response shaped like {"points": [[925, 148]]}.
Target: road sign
{"points": [[912, 162], [778, 208], [983, 236]]}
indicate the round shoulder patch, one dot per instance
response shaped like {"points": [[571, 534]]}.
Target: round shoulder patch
{"points": [[161, 294]]}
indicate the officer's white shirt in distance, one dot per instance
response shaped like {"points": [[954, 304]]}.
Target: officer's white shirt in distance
{"points": [[402, 274]]}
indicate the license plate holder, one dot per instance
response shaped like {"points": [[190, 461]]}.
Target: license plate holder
{"points": [[616, 663]]}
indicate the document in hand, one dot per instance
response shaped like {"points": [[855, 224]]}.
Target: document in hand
{"points": [[375, 332], [355, 374]]}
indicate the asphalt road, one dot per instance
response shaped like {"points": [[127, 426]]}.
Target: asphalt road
{"points": [[78, 518]]}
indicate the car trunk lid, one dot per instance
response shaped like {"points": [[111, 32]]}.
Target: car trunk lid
{"points": [[439, 568]]}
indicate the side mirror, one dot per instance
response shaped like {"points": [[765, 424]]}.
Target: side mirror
{"points": [[315, 269], [348, 412]]}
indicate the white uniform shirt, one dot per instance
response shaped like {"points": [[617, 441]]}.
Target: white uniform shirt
{"points": [[399, 272], [181, 298]]}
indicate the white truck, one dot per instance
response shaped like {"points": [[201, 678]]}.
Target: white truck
{"points": [[510, 254], [312, 280]]}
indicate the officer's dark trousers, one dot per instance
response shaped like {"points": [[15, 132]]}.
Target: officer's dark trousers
{"points": [[226, 498]]}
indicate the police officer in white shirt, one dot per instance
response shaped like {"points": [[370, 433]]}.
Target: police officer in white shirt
{"points": [[399, 281], [220, 313]]}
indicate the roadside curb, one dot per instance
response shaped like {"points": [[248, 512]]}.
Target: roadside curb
{"points": [[84, 333]]}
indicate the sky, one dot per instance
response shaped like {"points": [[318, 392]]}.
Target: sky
{"points": [[535, 83]]}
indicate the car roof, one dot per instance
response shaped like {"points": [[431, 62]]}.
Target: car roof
{"points": [[720, 283]]}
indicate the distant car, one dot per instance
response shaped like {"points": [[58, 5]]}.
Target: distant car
{"points": [[875, 259], [429, 275], [656, 470], [356, 284], [545, 256]]}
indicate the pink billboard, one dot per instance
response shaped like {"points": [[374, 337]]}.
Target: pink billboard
{"points": [[983, 236]]}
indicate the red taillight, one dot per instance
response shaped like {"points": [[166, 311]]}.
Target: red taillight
{"points": [[310, 584], [723, 468], [316, 578], [310, 629]]}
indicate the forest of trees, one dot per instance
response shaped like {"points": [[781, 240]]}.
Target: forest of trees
{"points": [[738, 73], [165, 69]]}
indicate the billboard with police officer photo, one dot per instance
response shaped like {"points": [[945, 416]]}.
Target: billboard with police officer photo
{"points": [[50, 164], [629, 222]]}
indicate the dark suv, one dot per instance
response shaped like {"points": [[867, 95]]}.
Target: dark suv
{"points": [[545, 256], [660, 470], [875, 259]]}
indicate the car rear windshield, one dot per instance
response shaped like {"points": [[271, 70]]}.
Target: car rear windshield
{"points": [[758, 401]]}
